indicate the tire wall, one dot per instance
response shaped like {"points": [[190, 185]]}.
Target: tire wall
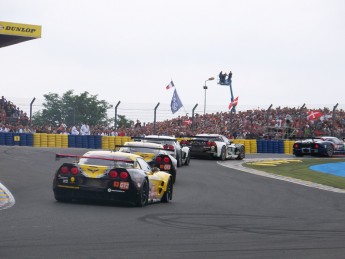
{"points": [[16, 139], [253, 146], [113, 142]]}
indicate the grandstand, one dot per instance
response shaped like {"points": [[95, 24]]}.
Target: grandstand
{"points": [[277, 123]]}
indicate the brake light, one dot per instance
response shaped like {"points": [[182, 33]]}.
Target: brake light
{"points": [[316, 146], [169, 147], [74, 170], [123, 175], [113, 174], [158, 159], [166, 159], [211, 143], [64, 170], [185, 142], [295, 145]]}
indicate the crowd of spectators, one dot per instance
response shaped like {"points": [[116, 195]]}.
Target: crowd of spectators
{"points": [[251, 124], [275, 123], [11, 114]]}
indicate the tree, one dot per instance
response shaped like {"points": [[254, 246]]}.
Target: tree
{"points": [[123, 122], [73, 109]]}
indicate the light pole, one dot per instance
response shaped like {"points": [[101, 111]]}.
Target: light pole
{"points": [[205, 87]]}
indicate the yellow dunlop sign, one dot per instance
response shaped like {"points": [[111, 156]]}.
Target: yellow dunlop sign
{"points": [[19, 29], [275, 162], [17, 138]]}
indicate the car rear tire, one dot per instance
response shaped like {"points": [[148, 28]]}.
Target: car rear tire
{"points": [[242, 153], [167, 196], [298, 154], [223, 154], [60, 198], [329, 151], [179, 160], [143, 196], [187, 161]]}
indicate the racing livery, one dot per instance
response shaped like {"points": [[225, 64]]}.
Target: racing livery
{"points": [[322, 146], [154, 154], [172, 146], [214, 146], [111, 176]]}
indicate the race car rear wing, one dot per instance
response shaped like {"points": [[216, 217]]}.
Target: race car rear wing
{"points": [[214, 138], [153, 138], [77, 157], [305, 138], [133, 146]]}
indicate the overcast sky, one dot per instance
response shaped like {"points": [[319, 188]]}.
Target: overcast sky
{"points": [[284, 53]]}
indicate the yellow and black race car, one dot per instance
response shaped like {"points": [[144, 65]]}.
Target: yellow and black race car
{"points": [[111, 176]]}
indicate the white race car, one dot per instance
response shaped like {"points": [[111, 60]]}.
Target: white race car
{"points": [[172, 146], [214, 146]]}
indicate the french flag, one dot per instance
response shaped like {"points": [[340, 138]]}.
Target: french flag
{"points": [[170, 85]]}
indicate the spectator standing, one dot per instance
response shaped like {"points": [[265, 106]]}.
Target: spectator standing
{"points": [[74, 131], [137, 125], [84, 129], [3, 116]]}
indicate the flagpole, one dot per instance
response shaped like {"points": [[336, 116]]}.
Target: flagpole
{"points": [[300, 120], [232, 98]]}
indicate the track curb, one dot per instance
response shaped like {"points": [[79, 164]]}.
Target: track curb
{"points": [[6, 198], [238, 165]]}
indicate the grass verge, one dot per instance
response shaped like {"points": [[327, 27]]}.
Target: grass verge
{"points": [[299, 169]]}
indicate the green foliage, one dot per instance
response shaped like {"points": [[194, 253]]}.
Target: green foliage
{"points": [[123, 122], [301, 171], [73, 109]]}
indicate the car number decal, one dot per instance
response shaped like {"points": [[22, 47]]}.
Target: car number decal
{"points": [[124, 185], [165, 167]]}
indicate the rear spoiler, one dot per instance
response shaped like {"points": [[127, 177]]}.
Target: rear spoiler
{"points": [[194, 136], [157, 148], [152, 138], [77, 157], [202, 137], [304, 138]]}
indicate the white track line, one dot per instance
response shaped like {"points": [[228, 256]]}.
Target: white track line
{"points": [[235, 164]]}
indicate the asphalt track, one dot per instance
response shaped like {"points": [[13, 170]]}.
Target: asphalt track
{"points": [[216, 212]]}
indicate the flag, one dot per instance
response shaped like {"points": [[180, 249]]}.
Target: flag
{"points": [[314, 115], [187, 122], [176, 103], [170, 85], [233, 103]]}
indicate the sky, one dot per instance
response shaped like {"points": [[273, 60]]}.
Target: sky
{"points": [[281, 52]]}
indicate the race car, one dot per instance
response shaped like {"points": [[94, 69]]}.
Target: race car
{"points": [[111, 176], [172, 146], [214, 146], [154, 154], [321, 146]]}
